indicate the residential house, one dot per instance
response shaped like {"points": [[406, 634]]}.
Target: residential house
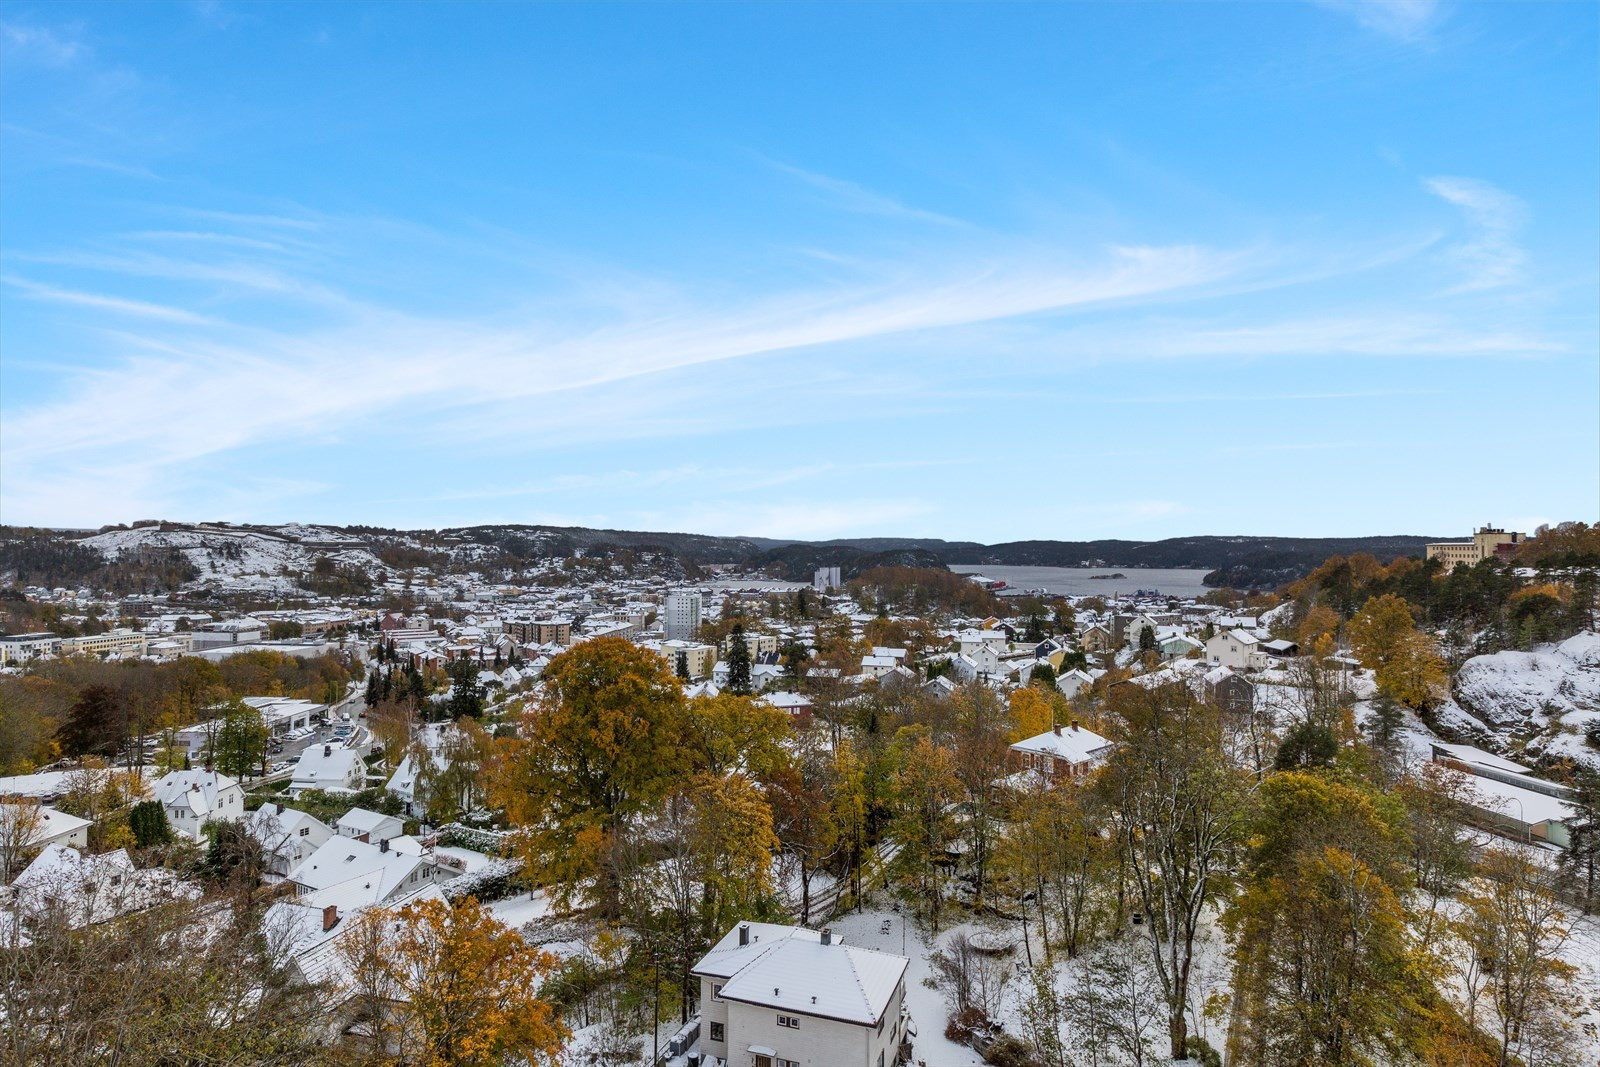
{"points": [[1229, 690], [30, 825], [350, 873], [1233, 649], [878, 666], [191, 798], [784, 996], [371, 826], [1060, 752], [1096, 638], [1172, 644], [331, 767], [1073, 682], [798, 705], [287, 836], [83, 890]]}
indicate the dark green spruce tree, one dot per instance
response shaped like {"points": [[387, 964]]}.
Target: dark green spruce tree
{"points": [[738, 662]]}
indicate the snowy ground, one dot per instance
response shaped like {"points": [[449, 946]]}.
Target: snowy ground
{"points": [[928, 1008], [516, 912]]}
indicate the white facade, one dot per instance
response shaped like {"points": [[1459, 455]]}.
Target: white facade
{"points": [[43, 826], [20, 648], [373, 826], [785, 996], [682, 615], [1232, 648], [191, 798], [826, 578], [329, 767], [287, 836]]}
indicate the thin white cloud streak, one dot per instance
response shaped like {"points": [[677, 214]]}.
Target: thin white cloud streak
{"points": [[860, 200], [1405, 20], [1491, 257], [101, 302]]}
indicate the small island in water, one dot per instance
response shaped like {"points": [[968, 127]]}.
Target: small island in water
{"points": [[1106, 577]]}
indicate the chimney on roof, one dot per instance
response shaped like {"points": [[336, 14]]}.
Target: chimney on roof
{"points": [[1056, 728], [827, 936], [209, 768], [330, 916], [383, 846], [1074, 725], [327, 750], [744, 933]]}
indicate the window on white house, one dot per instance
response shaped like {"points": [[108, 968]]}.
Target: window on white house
{"points": [[716, 992], [305, 831], [716, 1029]]}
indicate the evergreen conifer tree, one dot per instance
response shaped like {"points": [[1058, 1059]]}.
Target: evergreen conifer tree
{"points": [[738, 662]]}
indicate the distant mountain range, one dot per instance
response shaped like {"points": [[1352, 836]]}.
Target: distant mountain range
{"points": [[59, 557]]}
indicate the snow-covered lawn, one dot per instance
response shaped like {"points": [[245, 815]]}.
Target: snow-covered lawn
{"points": [[928, 1009], [516, 912]]}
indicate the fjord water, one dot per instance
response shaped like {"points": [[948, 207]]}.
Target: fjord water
{"points": [[1080, 581]]}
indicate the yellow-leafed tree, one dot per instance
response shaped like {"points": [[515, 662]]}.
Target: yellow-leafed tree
{"points": [[469, 988]]}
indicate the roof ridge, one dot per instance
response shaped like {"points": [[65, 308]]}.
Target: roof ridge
{"points": [[861, 986]]}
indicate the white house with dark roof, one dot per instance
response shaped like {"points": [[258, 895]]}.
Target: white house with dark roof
{"points": [[192, 797], [784, 996]]}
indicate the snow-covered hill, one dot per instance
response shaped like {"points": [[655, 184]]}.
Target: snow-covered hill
{"points": [[254, 557], [1549, 697]]}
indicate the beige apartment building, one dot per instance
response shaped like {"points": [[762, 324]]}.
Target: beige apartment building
{"points": [[1485, 544]]}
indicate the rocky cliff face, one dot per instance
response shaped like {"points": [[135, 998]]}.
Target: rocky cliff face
{"points": [[1545, 702]]}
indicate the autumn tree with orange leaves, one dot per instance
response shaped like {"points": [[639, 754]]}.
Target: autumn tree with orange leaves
{"points": [[442, 985], [599, 749]]}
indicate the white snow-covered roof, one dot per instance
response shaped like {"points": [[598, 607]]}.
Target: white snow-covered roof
{"points": [[48, 823], [196, 790], [1071, 743], [362, 873], [329, 764], [363, 820], [1525, 805], [790, 969]]}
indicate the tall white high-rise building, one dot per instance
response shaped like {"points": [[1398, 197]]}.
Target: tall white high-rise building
{"points": [[826, 578], [683, 614]]}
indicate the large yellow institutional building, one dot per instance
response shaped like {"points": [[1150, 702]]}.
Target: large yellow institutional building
{"points": [[1485, 543]]}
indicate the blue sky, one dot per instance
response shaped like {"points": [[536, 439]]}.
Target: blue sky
{"points": [[967, 271]]}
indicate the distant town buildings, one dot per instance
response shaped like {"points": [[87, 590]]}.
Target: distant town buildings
{"points": [[683, 614], [1486, 543], [539, 631]]}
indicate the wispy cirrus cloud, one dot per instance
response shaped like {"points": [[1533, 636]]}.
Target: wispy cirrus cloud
{"points": [[1405, 20], [1491, 257], [100, 302], [850, 196], [179, 392], [44, 45]]}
